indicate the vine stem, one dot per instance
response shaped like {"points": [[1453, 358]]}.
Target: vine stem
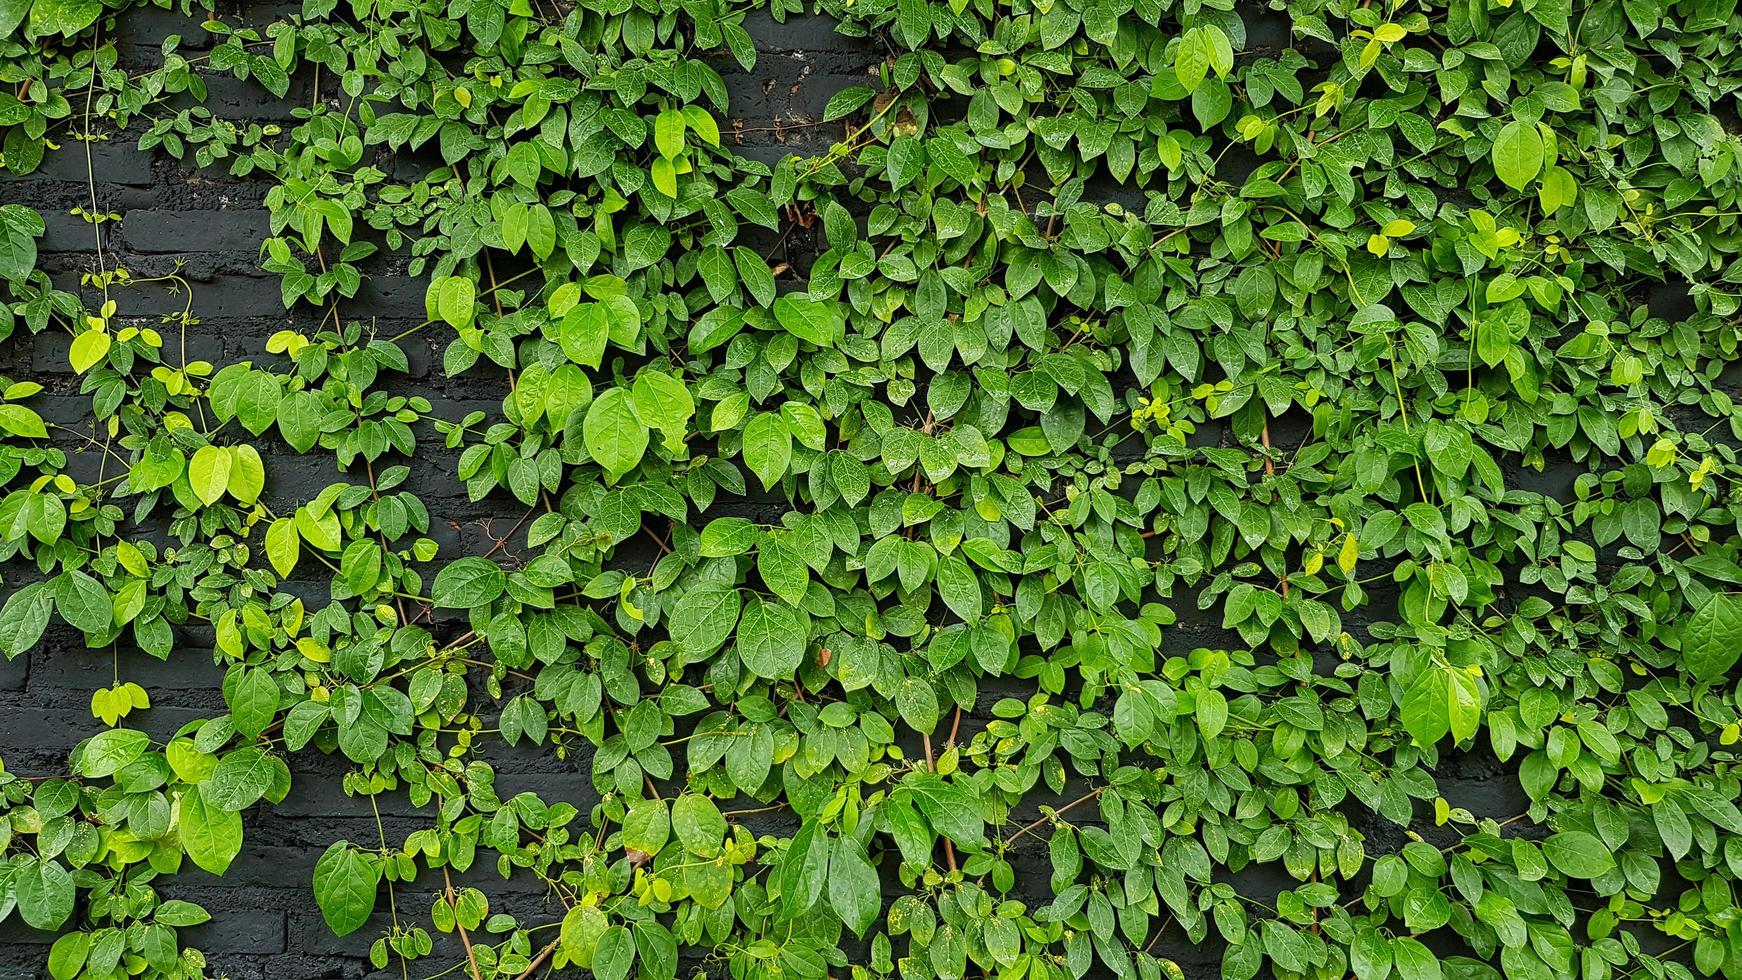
{"points": [[932, 766], [1270, 471], [465, 940], [538, 961], [1030, 828], [955, 726]]}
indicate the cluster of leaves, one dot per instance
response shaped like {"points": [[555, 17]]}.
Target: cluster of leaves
{"points": [[891, 550]]}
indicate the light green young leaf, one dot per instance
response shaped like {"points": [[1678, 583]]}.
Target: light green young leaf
{"points": [[209, 473], [283, 546], [454, 300]]}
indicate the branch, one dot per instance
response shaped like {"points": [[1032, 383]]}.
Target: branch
{"points": [[538, 961], [471, 957]]}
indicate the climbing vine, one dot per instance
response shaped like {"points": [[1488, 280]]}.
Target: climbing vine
{"points": [[1180, 451]]}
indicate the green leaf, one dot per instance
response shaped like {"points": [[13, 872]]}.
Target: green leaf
{"points": [[846, 101], [540, 232], [767, 447], [241, 778], [663, 175], [345, 885], [783, 571], [257, 401], [755, 275], [209, 473], [11, 15], [727, 536], [299, 419], [64, 17], [468, 583], [1211, 712], [253, 702], [1518, 154], [1441, 700], [614, 955], [949, 809], [918, 704], [1370, 955], [803, 869], [959, 587], [211, 836], [718, 273], [44, 892], [581, 929], [283, 545], [699, 825], [702, 124], [1712, 640], [83, 602], [24, 618], [615, 436], [647, 826], [20, 226], [247, 474], [89, 349], [22, 422], [1414, 960], [854, 890], [178, 913], [816, 321], [770, 640], [1577, 854], [913, 22], [703, 619], [109, 752], [1191, 59], [668, 130], [455, 300], [584, 332], [66, 959], [662, 402]]}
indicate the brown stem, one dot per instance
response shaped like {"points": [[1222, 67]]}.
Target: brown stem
{"points": [[1029, 829], [1270, 470], [538, 961], [931, 764], [955, 727], [465, 940]]}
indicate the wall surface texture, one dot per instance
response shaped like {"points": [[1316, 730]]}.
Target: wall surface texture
{"points": [[265, 922]]}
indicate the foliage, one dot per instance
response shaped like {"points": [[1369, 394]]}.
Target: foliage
{"points": [[857, 588]]}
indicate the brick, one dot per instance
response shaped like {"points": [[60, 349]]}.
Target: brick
{"points": [[116, 161], [226, 230]]}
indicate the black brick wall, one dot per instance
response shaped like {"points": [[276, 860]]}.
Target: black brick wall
{"points": [[265, 924]]}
